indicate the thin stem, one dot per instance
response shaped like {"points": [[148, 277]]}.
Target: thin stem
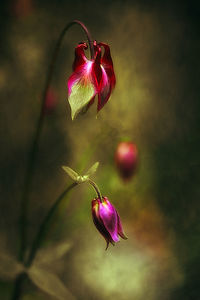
{"points": [[34, 147], [97, 190], [18, 286], [44, 226]]}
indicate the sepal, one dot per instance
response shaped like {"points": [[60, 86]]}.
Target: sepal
{"points": [[80, 178]]}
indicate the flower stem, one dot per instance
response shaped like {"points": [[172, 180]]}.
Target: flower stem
{"points": [[34, 147], [97, 190], [18, 286], [44, 226]]}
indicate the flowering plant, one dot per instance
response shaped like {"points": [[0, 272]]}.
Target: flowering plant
{"points": [[90, 78]]}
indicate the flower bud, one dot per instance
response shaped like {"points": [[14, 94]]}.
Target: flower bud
{"points": [[50, 101], [107, 220], [126, 158]]}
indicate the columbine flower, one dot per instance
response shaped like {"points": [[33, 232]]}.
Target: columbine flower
{"points": [[126, 158], [90, 78], [107, 220]]}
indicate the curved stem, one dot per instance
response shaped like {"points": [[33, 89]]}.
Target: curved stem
{"points": [[44, 226], [96, 188], [34, 147]]}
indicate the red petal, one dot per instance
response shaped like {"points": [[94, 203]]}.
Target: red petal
{"points": [[96, 69], [104, 90], [80, 57], [108, 77], [107, 63]]}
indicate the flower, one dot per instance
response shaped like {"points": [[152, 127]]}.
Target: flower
{"points": [[126, 158], [90, 78], [107, 220]]}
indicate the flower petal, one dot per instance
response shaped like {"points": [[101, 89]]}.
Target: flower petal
{"points": [[98, 222], [81, 89], [108, 77], [104, 90], [80, 57], [107, 63], [119, 227], [108, 215]]}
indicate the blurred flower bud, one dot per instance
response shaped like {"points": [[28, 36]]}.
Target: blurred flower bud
{"points": [[22, 8], [126, 158], [50, 101], [107, 220]]}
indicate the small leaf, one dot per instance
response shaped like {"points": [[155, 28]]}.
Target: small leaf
{"points": [[53, 253], [9, 267], [72, 174], [92, 170], [81, 95], [49, 283]]}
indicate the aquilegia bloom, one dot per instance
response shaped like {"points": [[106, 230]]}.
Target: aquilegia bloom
{"points": [[90, 78], [107, 220]]}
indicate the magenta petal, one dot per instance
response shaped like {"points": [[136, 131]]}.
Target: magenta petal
{"points": [[104, 90], [108, 215], [119, 227], [98, 222]]}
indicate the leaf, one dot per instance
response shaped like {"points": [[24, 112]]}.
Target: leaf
{"points": [[53, 253], [92, 170], [72, 174], [9, 267], [49, 283], [81, 94]]}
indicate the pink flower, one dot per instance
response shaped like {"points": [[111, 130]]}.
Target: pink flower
{"points": [[90, 78], [107, 220], [126, 158]]}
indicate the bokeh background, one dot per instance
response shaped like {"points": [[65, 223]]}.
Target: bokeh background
{"points": [[155, 49]]}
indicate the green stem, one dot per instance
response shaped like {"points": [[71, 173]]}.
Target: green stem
{"points": [[44, 226], [34, 147], [96, 188], [18, 286]]}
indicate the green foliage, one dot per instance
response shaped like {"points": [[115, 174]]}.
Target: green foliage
{"points": [[80, 96], [49, 283], [78, 178], [9, 267]]}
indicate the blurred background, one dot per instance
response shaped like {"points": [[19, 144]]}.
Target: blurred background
{"points": [[155, 49]]}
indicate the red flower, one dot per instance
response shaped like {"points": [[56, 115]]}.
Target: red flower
{"points": [[126, 158], [90, 78], [107, 220]]}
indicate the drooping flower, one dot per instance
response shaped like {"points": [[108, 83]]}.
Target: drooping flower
{"points": [[107, 220], [90, 78], [126, 158]]}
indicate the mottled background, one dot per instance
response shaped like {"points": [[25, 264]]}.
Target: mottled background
{"points": [[155, 48]]}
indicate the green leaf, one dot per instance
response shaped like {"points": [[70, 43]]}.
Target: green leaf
{"points": [[80, 96], [49, 283], [52, 253], [92, 170], [72, 174], [9, 267]]}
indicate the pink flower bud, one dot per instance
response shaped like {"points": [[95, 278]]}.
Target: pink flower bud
{"points": [[126, 158], [50, 101], [107, 220]]}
